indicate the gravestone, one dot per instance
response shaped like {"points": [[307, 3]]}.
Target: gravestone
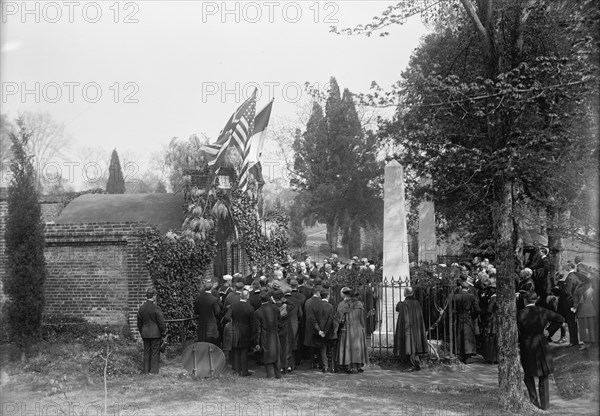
{"points": [[427, 241]]}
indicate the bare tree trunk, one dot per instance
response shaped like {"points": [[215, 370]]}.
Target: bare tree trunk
{"points": [[509, 368]]}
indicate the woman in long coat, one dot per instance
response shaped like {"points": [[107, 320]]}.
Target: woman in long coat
{"points": [[410, 338], [352, 342], [586, 312], [466, 308], [285, 330]]}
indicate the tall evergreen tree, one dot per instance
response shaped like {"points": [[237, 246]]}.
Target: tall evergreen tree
{"points": [[116, 180], [26, 265], [335, 169]]}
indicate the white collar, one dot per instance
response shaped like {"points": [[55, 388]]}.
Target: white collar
{"points": [[530, 304]]}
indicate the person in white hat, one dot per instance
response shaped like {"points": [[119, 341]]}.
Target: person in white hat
{"points": [[225, 288]]}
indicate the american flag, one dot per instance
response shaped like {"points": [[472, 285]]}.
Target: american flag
{"points": [[237, 131], [254, 144]]}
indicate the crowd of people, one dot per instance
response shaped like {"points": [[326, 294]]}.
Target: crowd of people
{"points": [[287, 316], [284, 317], [546, 303]]}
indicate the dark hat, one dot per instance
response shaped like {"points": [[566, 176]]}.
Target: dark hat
{"points": [[347, 291], [150, 293], [277, 294], [256, 285], [264, 297], [293, 283], [239, 285], [317, 281]]}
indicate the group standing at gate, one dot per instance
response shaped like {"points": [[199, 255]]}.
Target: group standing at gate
{"points": [[285, 318], [281, 321]]}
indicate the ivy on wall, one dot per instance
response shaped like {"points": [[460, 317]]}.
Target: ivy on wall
{"points": [[177, 264]]}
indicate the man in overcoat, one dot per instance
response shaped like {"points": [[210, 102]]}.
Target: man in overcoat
{"points": [[296, 317], [536, 357], [267, 337], [466, 309], [241, 316], [300, 300], [321, 319], [207, 311], [309, 330], [151, 324]]}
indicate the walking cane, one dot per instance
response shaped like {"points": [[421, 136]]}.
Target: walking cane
{"points": [[210, 362], [194, 357]]}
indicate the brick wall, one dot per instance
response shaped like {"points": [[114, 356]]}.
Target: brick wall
{"points": [[96, 271]]}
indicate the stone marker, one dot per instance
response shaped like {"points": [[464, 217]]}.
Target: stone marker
{"points": [[427, 241]]}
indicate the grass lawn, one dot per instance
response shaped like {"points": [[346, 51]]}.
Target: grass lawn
{"points": [[576, 372], [65, 378]]}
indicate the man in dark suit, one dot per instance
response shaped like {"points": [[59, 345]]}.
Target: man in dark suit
{"points": [[296, 316], [207, 311], [266, 335], [233, 297], [536, 357], [309, 329], [240, 315], [540, 265], [252, 276], [305, 288], [299, 299], [313, 272], [321, 319], [254, 298], [151, 324]]}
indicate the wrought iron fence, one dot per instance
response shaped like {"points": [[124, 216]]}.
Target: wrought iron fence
{"points": [[380, 300]]}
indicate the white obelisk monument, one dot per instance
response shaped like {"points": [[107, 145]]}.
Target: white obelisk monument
{"points": [[395, 246]]}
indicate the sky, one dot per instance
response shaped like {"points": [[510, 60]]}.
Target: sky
{"points": [[133, 75]]}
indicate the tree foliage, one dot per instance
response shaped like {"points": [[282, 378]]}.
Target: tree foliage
{"points": [[496, 107], [116, 180], [26, 265]]}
